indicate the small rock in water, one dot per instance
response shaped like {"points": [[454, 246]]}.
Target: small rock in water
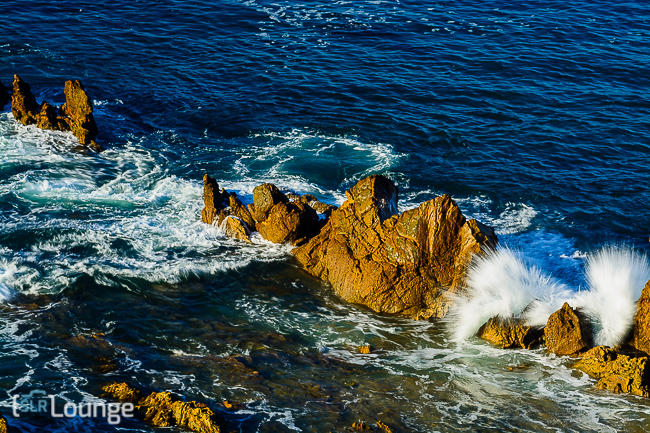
{"points": [[23, 102], [365, 349], [567, 332], [510, 333]]}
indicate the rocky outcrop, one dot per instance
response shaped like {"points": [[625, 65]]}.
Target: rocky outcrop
{"points": [[23, 102], [4, 96], [641, 333], [511, 333], [79, 111], [163, 409], [617, 372], [394, 264], [76, 115], [272, 214], [567, 332]]}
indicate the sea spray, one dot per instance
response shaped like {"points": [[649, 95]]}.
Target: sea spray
{"points": [[501, 284], [616, 276]]}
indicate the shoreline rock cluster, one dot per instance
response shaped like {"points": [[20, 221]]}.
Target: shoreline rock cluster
{"points": [[163, 409], [414, 263], [76, 115]]}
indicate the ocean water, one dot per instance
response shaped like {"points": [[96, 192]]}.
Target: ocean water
{"points": [[533, 116]]}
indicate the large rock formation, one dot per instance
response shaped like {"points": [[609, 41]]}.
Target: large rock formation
{"points": [[617, 372], [510, 333], [163, 409], [394, 264], [23, 102], [4, 96], [76, 115], [641, 333], [567, 332]]}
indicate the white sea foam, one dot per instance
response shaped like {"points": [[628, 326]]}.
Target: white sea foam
{"points": [[616, 276], [503, 285]]}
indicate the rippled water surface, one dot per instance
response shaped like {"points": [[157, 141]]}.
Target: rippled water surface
{"points": [[534, 116]]}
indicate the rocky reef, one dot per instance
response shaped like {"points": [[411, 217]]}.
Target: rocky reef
{"points": [[163, 409], [76, 115], [415, 264], [406, 264]]}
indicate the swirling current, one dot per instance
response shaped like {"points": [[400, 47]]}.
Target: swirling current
{"points": [[534, 116]]}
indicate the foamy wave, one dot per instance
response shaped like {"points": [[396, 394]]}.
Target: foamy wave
{"points": [[502, 285], [616, 277]]}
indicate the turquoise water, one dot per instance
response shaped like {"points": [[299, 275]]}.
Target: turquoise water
{"points": [[534, 118]]}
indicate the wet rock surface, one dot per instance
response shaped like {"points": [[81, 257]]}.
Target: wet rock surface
{"points": [[617, 372], [394, 264], [510, 333], [641, 333], [567, 332], [163, 409], [76, 115]]}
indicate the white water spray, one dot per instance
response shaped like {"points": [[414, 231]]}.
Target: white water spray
{"points": [[616, 276], [501, 284]]}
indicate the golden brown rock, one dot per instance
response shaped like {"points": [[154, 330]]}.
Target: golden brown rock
{"points": [[510, 333], [567, 332], [616, 372], [163, 409], [212, 199], [320, 207], [265, 197], [23, 102], [365, 349], [394, 264], [4, 425], [235, 228], [641, 333], [288, 222], [79, 109], [48, 118], [122, 391], [4, 96], [238, 210]]}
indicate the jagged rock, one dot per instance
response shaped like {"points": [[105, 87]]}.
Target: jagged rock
{"points": [[163, 409], [123, 392], [510, 333], [240, 211], [567, 332], [318, 206], [617, 372], [394, 264], [265, 197], [234, 227], [641, 333], [4, 96], [79, 109], [212, 199], [289, 222], [23, 102], [49, 118]]}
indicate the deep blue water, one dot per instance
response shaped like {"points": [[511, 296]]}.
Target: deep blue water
{"points": [[534, 116]]}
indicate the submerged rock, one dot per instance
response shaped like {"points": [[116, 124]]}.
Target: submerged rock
{"points": [[163, 409], [567, 332], [79, 109], [394, 264], [641, 333], [511, 333], [23, 102], [4, 96], [617, 372]]}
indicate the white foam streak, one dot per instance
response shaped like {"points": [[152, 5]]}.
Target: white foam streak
{"points": [[501, 284], [616, 276]]}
